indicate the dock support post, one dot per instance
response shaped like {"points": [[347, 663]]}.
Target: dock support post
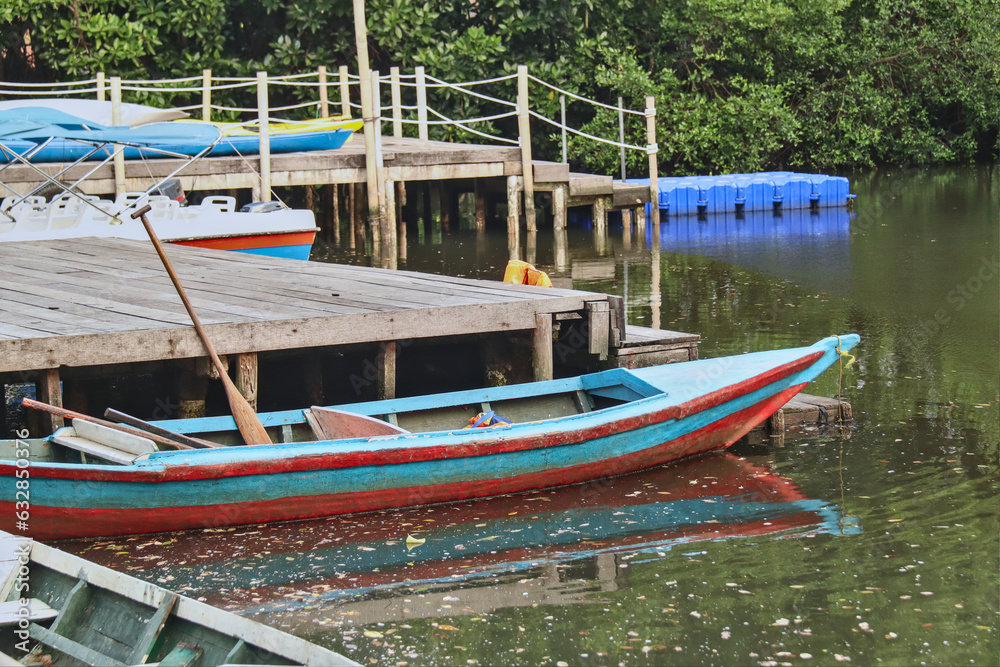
{"points": [[49, 390], [599, 213], [264, 133], [559, 206], [192, 386], [599, 323], [206, 95], [101, 86], [358, 214], [246, 377], [524, 139], [654, 183], [627, 229], [390, 244], [386, 383], [116, 120], [480, 203], [560, 248], [513, 216], [541, 347]]}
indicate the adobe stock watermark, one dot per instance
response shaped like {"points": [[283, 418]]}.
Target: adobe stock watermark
{"points": [[22, 515], [960, 296]]}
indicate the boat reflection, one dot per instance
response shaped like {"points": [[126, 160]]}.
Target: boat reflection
{"points": [[504, 542]]}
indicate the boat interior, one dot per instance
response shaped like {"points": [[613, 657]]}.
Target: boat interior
{"points": [[89, 442], [76, 622]]}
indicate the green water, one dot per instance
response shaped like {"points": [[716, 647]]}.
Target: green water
{"points": [[879, 545], [915, 273]]}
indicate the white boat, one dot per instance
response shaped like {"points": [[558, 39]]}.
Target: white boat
{"points": [[264, 228]]}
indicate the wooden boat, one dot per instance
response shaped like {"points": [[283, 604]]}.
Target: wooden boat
{"points": [[408, 451], [96, 616]]}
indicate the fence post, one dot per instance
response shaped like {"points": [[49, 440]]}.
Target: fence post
{"points": [[324, 99], [206, 95], [265, 137], [524, 139], [621, 134], [345, 92], [397, 102], [116, 120], [654, 185], [422, 132], [562, 111], [101, 86]]}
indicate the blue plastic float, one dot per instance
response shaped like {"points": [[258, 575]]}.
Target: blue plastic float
{"points": [[766, 191]]}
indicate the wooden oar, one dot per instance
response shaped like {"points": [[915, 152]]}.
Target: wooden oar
{"points": [[197, 443], [70, 414], [247, 420]]}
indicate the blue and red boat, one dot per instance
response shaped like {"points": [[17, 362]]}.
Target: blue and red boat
{"points": [[91, 480]]}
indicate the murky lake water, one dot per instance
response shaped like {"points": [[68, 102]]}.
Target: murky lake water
{"points": [[879, 546]]}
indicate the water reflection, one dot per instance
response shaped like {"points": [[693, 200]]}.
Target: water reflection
{"points": [[509, 550]]}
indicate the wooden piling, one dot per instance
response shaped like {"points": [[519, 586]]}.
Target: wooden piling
{"points": [[48, 389], [513, 216], [245, 377], [386, 364], [542, 347]]}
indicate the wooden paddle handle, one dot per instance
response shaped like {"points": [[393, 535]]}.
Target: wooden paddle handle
{"points": [[197, 443], [247, 421], [70, 414]]}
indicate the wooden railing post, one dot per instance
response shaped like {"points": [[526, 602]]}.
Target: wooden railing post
{"points": [[116, 120], [621, 134], [345, 91], [397, 102], [324, 100], [562, 114], [263, 120], [524, 139], [422, 130], [101, 86], [654, 184], [206, 95]]}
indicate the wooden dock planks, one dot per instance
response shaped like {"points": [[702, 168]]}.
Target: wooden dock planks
{"points": [[88, 302]]}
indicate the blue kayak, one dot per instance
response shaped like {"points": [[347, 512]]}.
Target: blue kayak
{"points": [[61, 137]]}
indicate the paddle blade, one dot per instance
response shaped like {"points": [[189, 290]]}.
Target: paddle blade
{"points": [[247, 420]]}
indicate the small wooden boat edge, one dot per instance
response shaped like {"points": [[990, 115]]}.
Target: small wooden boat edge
{"points": [[254, 634]]}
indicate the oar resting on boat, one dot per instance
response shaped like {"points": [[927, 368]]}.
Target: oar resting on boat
{"points": [[159, 435], [413, 451]]}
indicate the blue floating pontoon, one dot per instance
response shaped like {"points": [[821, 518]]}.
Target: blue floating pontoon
{"points": [[683, 195]]}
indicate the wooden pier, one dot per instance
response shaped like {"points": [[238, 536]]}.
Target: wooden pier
{"points": [[74, 310], [96, 322], [441, 171]]}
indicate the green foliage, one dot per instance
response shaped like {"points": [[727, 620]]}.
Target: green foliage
{"points": [[739, 85]]}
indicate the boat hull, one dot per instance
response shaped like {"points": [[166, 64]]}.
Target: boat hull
{"points": [[241, 485], [69, 150], [290, 245]]}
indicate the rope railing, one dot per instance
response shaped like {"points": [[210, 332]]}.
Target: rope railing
{"points": [[228, 93], [583, 99], [588, 136]]}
